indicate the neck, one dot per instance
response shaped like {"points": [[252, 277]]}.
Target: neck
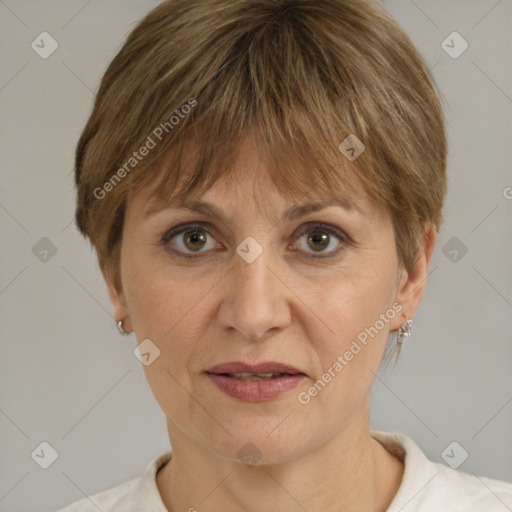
{"points": [[350, 472]]}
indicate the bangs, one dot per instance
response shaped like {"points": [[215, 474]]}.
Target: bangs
{"points": [[277, 86], [196, 164]]}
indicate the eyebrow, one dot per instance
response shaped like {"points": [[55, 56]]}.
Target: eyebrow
{"points": [[294, 212]]}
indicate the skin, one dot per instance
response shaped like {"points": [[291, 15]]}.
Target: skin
{"points": [[285, 306]]}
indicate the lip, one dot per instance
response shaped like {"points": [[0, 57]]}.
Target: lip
{"points": [[265, 367], [255, 391]]}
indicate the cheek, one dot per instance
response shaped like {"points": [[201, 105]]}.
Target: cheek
{"points": [[349, 331], [161, 302], [349, 306], [174, 315]]}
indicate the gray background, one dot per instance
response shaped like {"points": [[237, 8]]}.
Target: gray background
{"points": [[68, 378]]}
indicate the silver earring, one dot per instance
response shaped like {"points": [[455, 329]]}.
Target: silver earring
{"points": [[120, 328], [404, 331]]}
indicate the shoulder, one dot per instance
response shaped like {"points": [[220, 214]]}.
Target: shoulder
{"points": [[103, 500], [128, 496], [466, 492], [429, 486]]}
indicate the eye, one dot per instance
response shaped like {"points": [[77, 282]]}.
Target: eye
{"points": [[320, 237], [190, 237], [190, 240]]}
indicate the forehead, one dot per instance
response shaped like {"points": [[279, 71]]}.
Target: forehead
{"points": [[218, 205], [255, 181]]}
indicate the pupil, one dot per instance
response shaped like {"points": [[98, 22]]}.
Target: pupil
{"points": [[321, 239], [194, 238]]}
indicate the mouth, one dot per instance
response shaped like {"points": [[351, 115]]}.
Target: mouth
{"points": [[255, 383], [262, 371], [252, 377]]}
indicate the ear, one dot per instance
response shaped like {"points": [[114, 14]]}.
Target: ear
{"points": [[118, 300], [413, 283]]}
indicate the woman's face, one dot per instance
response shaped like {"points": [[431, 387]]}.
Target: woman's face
{"points": [[259, 289]]}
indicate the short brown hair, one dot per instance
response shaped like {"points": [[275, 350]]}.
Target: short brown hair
{"points": [[300, 75]]}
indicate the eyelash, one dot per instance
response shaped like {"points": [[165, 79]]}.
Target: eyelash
{"points": [[311, 227]]}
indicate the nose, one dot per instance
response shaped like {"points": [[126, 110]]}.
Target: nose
{"points": [[256, 298]]}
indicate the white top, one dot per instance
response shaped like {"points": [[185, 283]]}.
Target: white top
{"points": [[426, 487]]}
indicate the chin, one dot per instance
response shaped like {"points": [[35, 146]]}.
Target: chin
{"points": [[258, 441]]}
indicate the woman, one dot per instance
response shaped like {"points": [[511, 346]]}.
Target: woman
{"points": [[263, 182]]}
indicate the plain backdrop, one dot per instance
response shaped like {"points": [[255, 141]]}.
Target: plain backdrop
{"points": [[69, 379]]}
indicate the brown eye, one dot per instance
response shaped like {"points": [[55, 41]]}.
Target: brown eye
{"points": [[194, 240], [187, 240], [319, 238]]}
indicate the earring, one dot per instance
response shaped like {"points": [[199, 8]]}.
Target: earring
{"points": [[120, 328], [404, 331]]}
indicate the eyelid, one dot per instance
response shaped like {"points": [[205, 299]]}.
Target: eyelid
{"points": [[178, 230], [305, 228], [183, 228], [342, 236]]}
